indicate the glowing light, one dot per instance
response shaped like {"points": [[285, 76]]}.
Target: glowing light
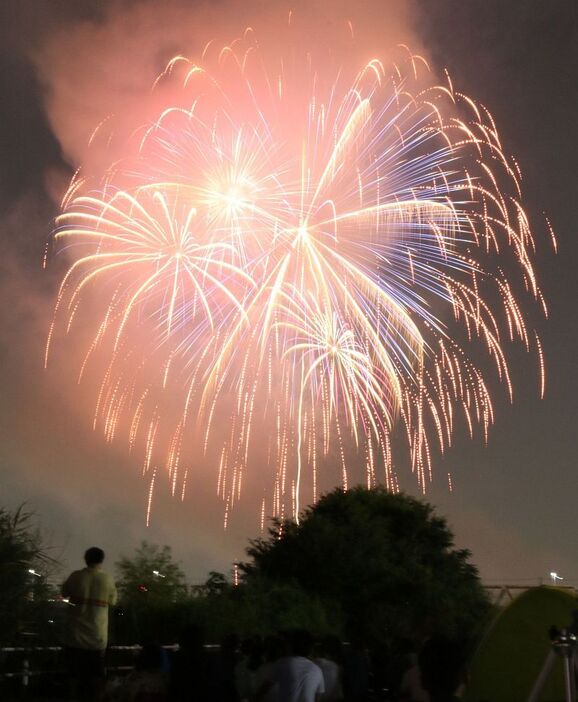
{"points": [[291, 263]]}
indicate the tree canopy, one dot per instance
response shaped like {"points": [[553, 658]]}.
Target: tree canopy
{"points": [[150, 576], [24, 564], [386, 561]]}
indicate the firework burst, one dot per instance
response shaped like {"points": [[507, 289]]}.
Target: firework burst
{"points": [[324, 256]]}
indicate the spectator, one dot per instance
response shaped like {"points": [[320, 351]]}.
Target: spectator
{"points": [[225, 674], [90, 592], [357, 670], [274, 647], [190, 672], [411, 687], [328, 659], [442, 668], [146, 683], [247, 666], [296, 677]]}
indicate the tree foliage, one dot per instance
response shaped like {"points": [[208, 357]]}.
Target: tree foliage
{"points": [[215, 584], [263, 607], [217, 606], [386, 561], [150, 577], [21, 551]]}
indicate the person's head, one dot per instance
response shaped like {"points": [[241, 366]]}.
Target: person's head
{"points": [[301, 643], [332, 648], [254, 652], [230, 645], [93, 556], [274, 647], [442, 667], [192, 638]]}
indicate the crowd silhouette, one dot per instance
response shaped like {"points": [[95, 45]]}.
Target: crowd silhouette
{"points": [[290, 666]]}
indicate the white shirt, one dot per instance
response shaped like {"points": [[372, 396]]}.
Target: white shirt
{"points": [[331, 677], [91, 592], [298, 679]]}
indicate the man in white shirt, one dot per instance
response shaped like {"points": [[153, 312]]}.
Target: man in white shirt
{"points": [[295, 677], [90, 592]]}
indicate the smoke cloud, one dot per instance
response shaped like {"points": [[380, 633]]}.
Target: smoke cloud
{"points": [[103, 67]]}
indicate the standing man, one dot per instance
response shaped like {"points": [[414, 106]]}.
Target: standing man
{"points": [[90, 592], [294, 678]]}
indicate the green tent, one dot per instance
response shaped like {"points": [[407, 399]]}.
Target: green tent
{"points": [[511, 655]]}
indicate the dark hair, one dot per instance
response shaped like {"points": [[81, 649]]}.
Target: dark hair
{"points": [[94, 556], [274, 647], [442, 667], [301, 642], [192, 637], [332, 648]]}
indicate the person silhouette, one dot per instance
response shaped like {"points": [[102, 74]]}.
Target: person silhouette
{"points": [[90, 592]]}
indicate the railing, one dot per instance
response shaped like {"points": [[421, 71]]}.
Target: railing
{"points": [[19, 665], [503, 594]]}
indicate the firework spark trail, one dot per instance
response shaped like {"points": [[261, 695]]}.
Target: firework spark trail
{"points": [[328, 254]]}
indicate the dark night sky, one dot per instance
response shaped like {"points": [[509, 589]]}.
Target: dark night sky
{"points": [[514, 501]]}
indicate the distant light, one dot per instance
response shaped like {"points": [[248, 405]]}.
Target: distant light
{"points": [[159, 575], [555, 577], [33, 572]]}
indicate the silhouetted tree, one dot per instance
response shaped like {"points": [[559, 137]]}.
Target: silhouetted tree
{"points": [[385, 560], [24, 565], [261, 606], [150, 576], [215, 584], [152, 593]]}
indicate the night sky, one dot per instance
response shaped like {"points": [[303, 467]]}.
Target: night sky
{"points": [[514, 502]]}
